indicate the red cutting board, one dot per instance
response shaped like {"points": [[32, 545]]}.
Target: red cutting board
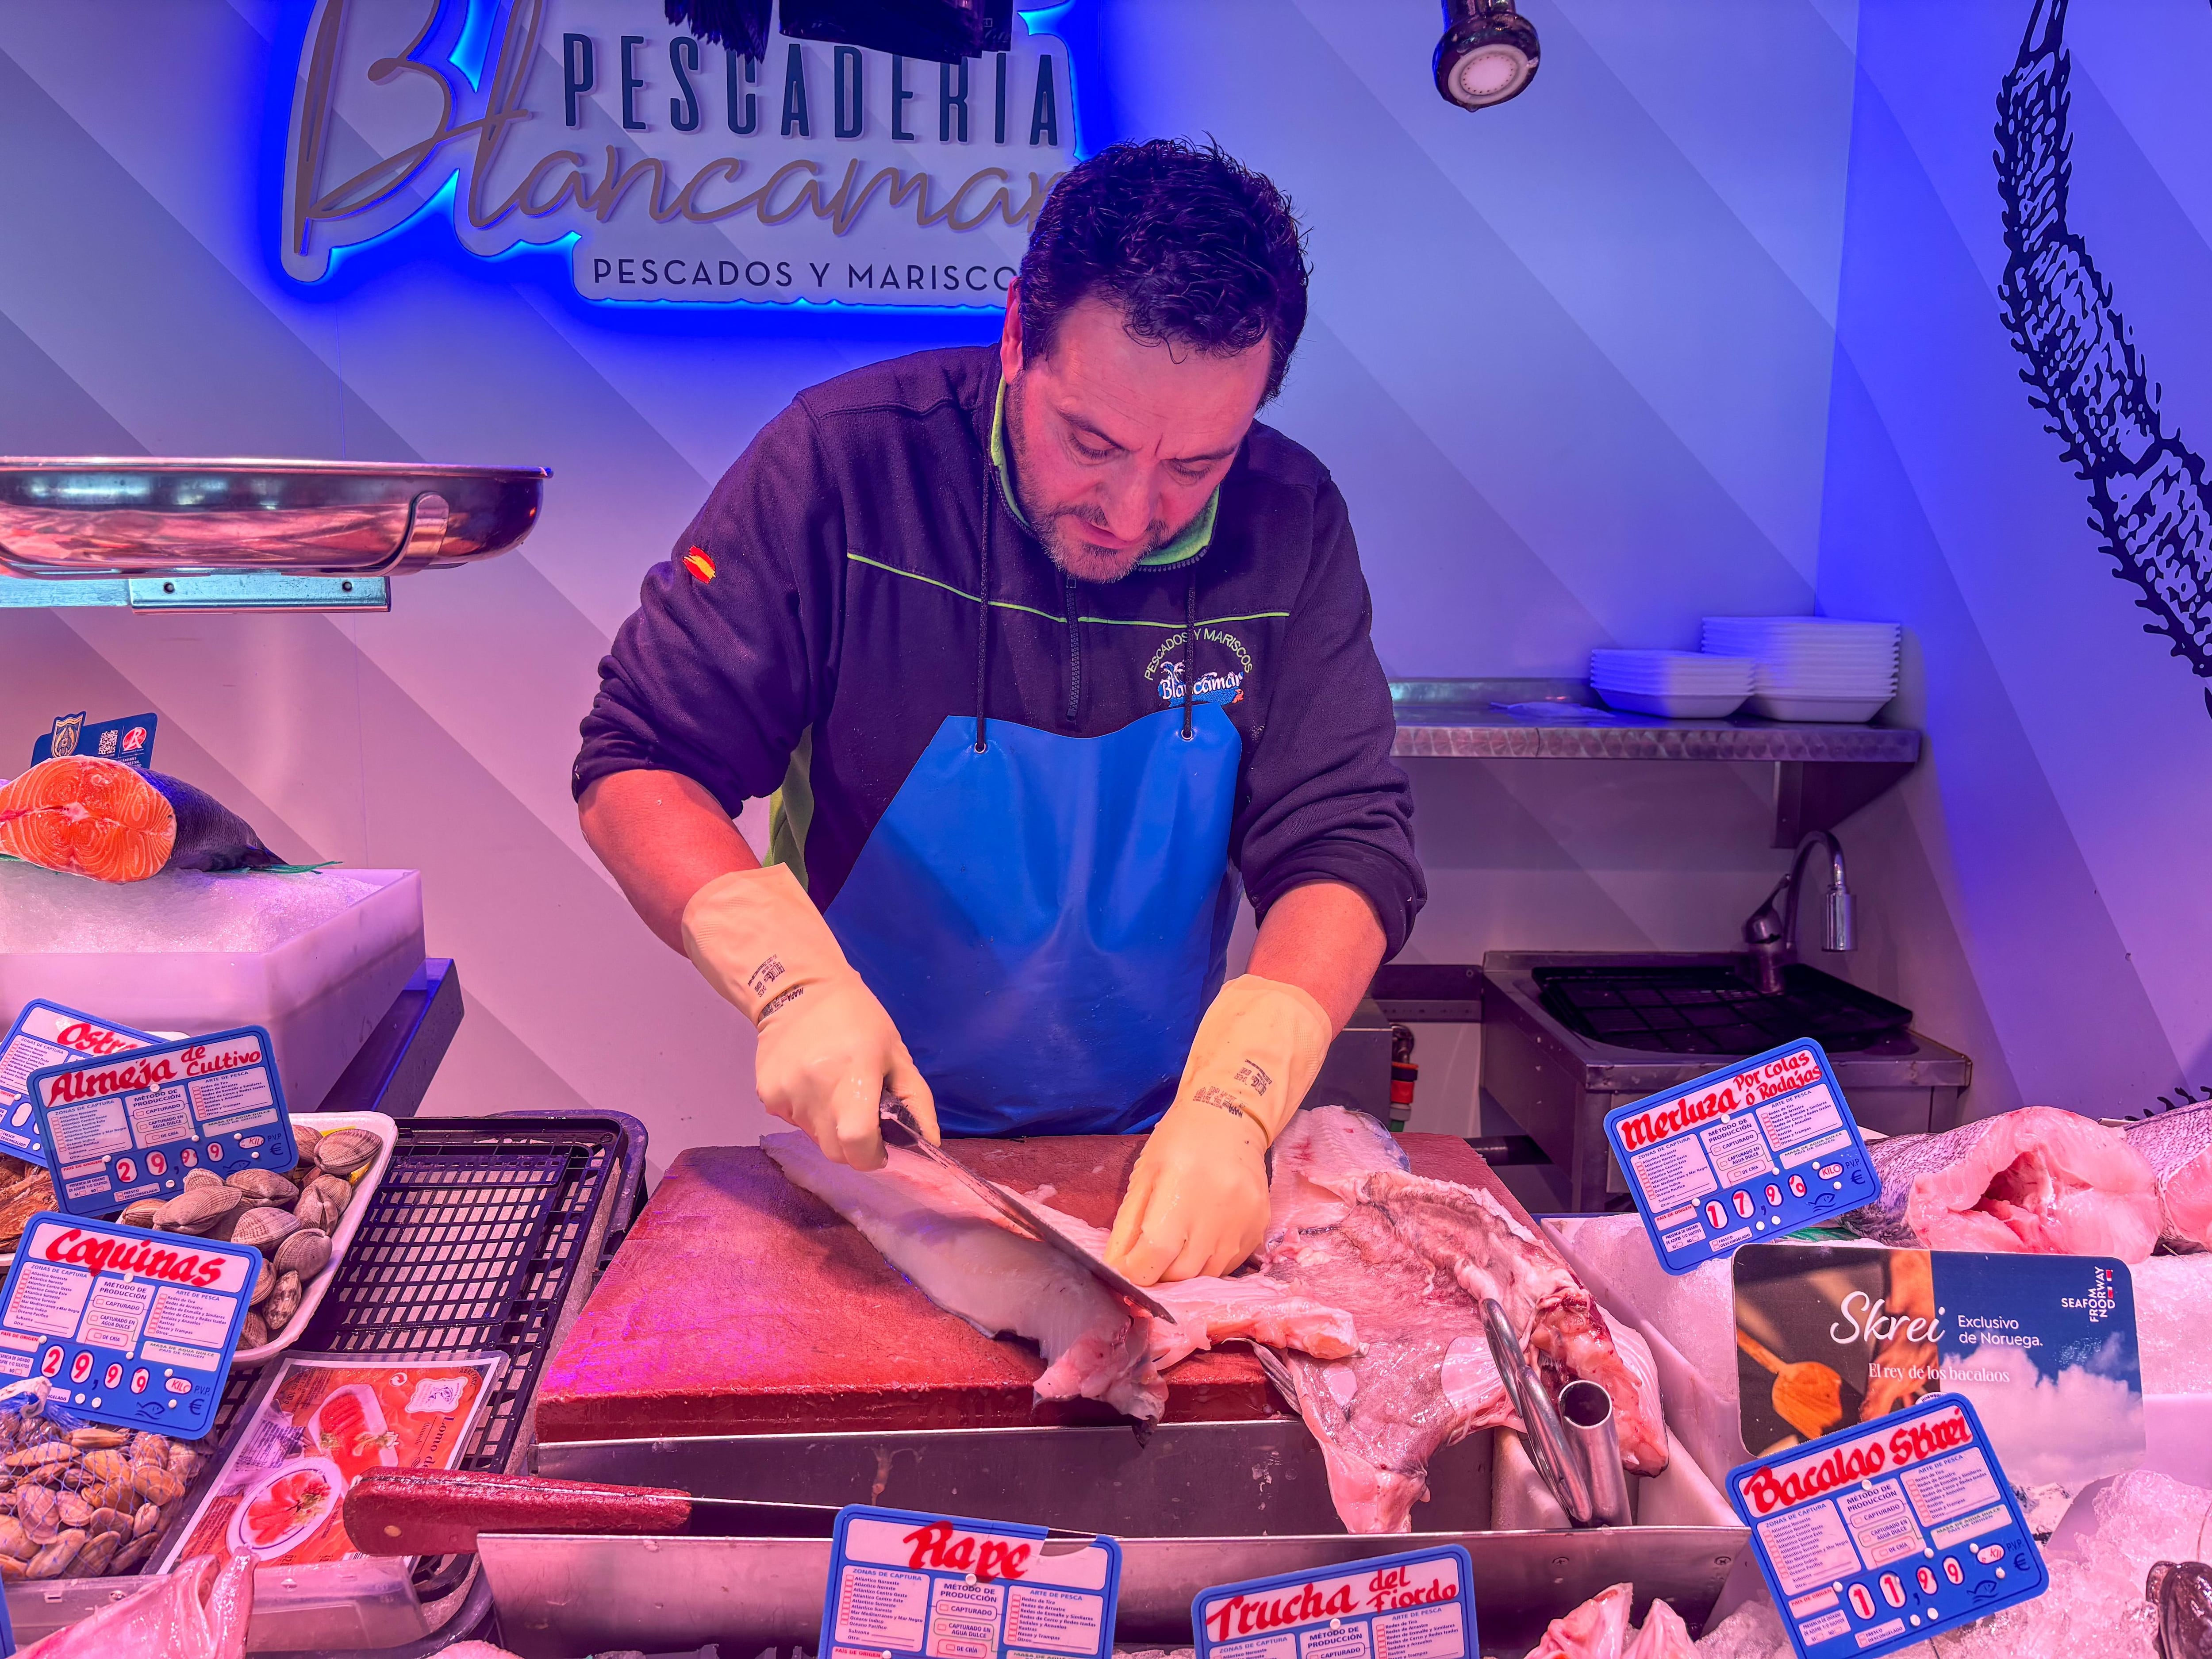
{"points": [[740, 1305]]}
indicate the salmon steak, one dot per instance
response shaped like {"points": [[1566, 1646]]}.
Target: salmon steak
{"points": [[88, 817]]}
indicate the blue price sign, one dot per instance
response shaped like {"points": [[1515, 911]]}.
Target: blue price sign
{"points": [[131, 1328], [1755, 1151], [1416, 1606], [46, 1034], [909, 1586], [133, 1127], [1883, 1535]]}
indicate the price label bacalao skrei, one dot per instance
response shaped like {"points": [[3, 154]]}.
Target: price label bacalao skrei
{"points": [[1876, 1538]]}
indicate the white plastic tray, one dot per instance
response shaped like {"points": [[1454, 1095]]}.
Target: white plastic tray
{"points": [[311, 1296]]}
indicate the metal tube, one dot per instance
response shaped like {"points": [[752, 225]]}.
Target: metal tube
{"points": [[1555, 1460], [1586, 1412]]}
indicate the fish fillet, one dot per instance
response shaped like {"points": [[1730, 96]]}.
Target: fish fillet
{"points": [[1412, 1261], [2177, 1146], [1208, 1311], [2036, 1180], [944, 1239]]}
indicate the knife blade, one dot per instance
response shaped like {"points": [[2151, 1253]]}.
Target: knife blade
{"points": [[908, 1135]]}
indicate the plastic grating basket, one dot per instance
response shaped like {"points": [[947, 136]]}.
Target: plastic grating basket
{"points": [[471, 1244]]}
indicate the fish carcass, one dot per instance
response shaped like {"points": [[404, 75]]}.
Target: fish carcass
{"points": [[2036, 1180], [1599, 1629], [1412, 1261], [968, 1261], [2177, 1146]]}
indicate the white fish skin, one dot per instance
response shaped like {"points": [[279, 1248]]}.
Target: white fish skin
{"points": [[2177, 1146], [1208, 1311], [1598, 1629], [943, 1238], [2037, 1180]]}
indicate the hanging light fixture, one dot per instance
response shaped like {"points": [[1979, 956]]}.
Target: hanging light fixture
{"points": [[1488, 53]]}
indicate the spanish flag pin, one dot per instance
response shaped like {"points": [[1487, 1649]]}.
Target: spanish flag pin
{"points": [[699, 564]]}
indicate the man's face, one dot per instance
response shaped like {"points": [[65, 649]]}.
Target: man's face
{"points": [[1117, 444]]}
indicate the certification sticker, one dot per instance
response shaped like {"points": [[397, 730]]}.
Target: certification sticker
{"points": [[1416, 1606], [131, 1328], [909, 1586], [1752, 1153], [134, 1127], [1882, 1536], [47, 1034]]}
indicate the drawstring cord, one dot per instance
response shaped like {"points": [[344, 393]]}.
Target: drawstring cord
{"points": [[1189, 651], [984, 620]]}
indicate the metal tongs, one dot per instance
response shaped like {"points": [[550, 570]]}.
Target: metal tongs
{"points": [[1579, 1459], [900, 1129]]}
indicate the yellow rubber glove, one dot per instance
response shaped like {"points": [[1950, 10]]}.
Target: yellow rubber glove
{"points": [[1197, 1201], [827, 1049]]}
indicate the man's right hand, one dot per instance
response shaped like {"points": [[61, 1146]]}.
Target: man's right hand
{"points": [[828, 1048]]}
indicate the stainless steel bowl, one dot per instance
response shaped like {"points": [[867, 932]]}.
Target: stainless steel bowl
{"points": [[102, 517]]}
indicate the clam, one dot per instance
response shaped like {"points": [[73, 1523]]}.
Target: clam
{"points": [[53, 1560], [262, 1187], [132, 1553], [108, 1519], [284, 1301], [201, 1178], [304, 1142], [254, 1333], [148, 1517], [265, 1227], [185, 1463], [315, 1209], [197, 1209], [111, 1495], [46, 1455], [305, 1253], [149, 1448], [108, 1467], [264, 1280], [38, 1509], [13, 1540], [99, 1550], [156, 1485], [93, 1438], [343, 1151], [73, 1509], [12, 1571], [140, 1214]]}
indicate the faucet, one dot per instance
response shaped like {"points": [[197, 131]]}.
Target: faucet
{"points": [[1772, 934]]}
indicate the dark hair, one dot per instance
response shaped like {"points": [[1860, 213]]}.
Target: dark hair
{"points": [[1193, 247]]}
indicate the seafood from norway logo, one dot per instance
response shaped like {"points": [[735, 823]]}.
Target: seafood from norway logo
{"points": [[1223, 685], [2100, 1302]]}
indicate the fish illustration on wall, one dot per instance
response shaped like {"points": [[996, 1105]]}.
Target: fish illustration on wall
{"points": [[2147, 488]]}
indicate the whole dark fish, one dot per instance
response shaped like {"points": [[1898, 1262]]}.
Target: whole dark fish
{"points": [[97, 818], [2182, 1593]]}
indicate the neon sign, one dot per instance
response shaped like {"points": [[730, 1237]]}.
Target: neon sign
{"points": [[673, 170]]}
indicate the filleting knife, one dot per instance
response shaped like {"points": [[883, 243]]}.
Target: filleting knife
{"points": [[900, 1129]]}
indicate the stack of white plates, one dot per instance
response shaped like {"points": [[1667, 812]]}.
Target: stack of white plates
{"points": [[1683, 685], [1812, 668]]}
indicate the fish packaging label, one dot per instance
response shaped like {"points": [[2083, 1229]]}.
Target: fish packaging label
{"points": [[1885, 1535], [909, 1586], [1416, 1606], [131, 1328], [134, 1127], [129, 739], [46, 1035], [1752, 1153], [1832, 1335]]}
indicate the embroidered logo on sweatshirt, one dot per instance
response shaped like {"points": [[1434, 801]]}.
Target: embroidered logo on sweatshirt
{"points": [[1223, 683], [699, 564]]}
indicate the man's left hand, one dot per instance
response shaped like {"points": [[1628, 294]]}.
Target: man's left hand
{"points": [[1197, 1202]]}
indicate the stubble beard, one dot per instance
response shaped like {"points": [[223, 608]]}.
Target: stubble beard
{"points": [[1085, 561]]}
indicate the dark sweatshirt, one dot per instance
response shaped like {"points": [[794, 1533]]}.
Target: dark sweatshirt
{"points": [[818, 621]]}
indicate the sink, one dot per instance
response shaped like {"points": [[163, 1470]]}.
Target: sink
{"points": [[1714, 1007], [1568, 1036]]}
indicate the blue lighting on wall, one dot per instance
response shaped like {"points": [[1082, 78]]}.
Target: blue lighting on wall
{"points": [[426, 236]]}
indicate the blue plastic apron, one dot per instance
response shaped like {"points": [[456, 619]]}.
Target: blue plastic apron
{"points": [[1046, 918]]}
